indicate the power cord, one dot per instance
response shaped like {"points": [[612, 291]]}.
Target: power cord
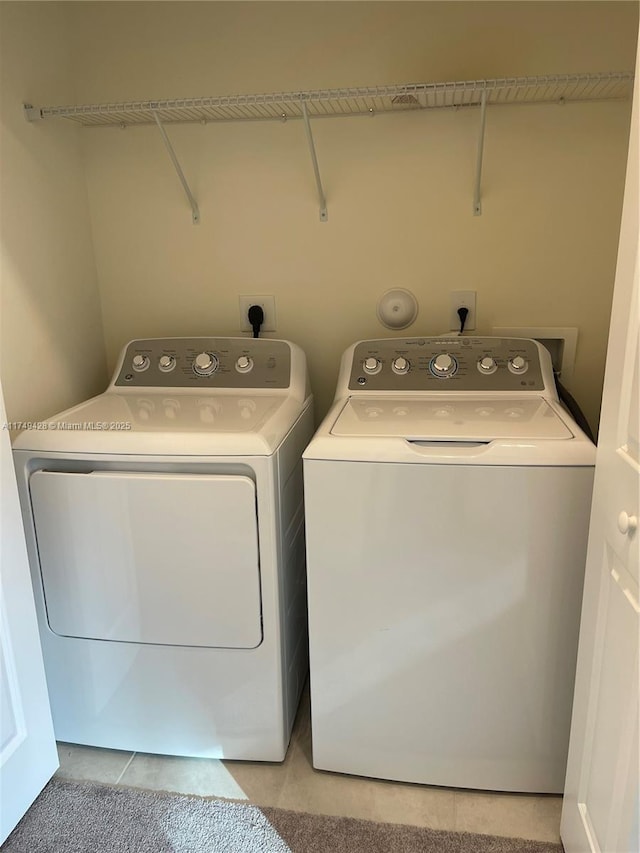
{"points": [[462, 313], [255, 314]]}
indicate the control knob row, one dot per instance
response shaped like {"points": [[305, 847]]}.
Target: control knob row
{"points": [[141, 362], [204, 364], [445, 364], [518, 364], [373, 365]]}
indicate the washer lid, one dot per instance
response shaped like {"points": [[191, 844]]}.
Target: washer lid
{"points": [[441, 418]]}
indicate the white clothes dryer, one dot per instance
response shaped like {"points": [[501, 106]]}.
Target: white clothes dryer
{"points": [[447, 498], [165, 529]]}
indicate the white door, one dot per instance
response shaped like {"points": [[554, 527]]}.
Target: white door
{"points": [[600, 811], [28, 756]]}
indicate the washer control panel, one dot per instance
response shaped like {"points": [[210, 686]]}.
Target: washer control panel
{"points": [[205, 363], [451, 364]]}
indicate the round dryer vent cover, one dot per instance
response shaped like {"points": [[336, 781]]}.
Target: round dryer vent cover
{"points": [[397, 308]]}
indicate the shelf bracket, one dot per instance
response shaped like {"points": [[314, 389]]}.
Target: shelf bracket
{"points": [[321, 196], [195, 213], [477, 203], [31, 113]]}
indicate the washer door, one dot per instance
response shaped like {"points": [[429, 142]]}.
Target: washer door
{"points": [[149, 558]]}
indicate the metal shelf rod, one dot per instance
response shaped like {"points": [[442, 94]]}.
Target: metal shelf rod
{"points": [[195, 213], [321, 196], [477, 202]]}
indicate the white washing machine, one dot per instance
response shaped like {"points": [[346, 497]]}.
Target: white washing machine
{"points": [[165, 529], [447, 498]]}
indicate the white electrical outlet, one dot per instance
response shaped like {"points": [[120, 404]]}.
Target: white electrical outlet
{"points": [[462, 299], [268, 305]]}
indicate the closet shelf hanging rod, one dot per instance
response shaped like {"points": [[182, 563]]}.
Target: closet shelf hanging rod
{"points": [[559, 88]]}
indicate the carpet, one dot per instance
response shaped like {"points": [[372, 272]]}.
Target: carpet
{"points": [[86, 817]]}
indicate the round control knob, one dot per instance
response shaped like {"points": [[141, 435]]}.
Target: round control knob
{"points": [[518, 364], [443, 365], [487, 365], [400, 365], [372, 365], [244, 364], [627, 523], [140, 362], [205, 363], [166, 363]]}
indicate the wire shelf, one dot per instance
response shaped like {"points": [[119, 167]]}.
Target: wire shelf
{"points": [[563, 88]]}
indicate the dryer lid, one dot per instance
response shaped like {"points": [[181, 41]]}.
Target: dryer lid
{"points": [[167, 423], [442, 418]]}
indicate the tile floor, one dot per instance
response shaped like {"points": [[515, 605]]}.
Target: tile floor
{"points": [[294, 784]]}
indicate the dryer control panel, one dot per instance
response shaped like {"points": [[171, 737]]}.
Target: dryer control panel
{"points": [[205, 363], [451, 364]]}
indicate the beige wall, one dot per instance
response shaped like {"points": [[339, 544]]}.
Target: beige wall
{"points": [[399, 188], [51, 343]]}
